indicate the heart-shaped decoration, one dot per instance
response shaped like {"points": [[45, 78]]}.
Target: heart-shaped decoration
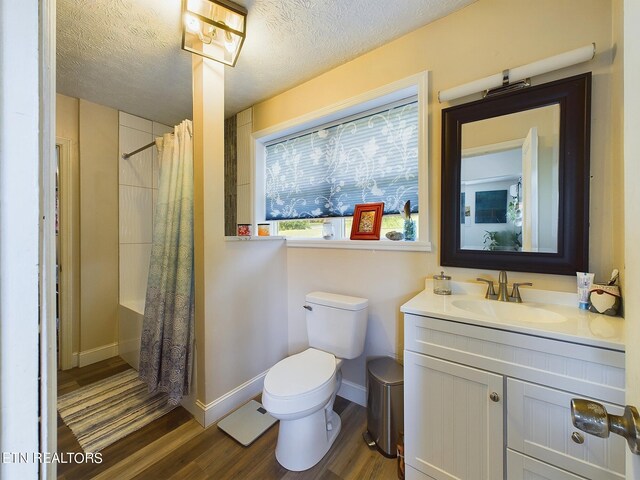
{"points": [[605, 300]]}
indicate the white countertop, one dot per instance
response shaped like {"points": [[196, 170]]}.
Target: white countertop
{"points": [[580, 326]]}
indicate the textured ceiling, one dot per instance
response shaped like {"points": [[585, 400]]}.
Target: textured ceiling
{"points": [[126, 53]]}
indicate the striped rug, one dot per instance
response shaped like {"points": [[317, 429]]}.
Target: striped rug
{"points": [[106, 411]]}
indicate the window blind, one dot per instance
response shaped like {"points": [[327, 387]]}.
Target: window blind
{"points": [[326, 172]]}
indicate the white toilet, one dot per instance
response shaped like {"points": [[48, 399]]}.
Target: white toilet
{"points": [[300, 390]]}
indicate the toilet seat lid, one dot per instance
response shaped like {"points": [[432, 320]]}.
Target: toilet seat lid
{"points": [[300, 374]]}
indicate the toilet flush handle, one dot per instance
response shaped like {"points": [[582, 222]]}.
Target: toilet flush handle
{"points": [[308, 307]]}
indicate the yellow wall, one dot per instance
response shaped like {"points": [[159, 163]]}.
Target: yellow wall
{"points": [[67, 117], [93, 132], [98, 127], [479, 40]]}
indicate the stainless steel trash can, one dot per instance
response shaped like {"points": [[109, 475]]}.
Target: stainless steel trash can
{"points": [[385, 408]]}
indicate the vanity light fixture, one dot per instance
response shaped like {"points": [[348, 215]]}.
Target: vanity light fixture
{"points": [[214, 29], [517, 77]]}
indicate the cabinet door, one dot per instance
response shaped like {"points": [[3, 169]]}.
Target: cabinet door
{"points": [[453, 429], [521, 467], [539, 425]]}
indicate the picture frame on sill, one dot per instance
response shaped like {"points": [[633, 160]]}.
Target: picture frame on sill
{"points": [[367, 219]]}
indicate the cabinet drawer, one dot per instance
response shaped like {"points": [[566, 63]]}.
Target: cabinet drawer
{"points": [[520, 467], [539, 425], [563, 365]]}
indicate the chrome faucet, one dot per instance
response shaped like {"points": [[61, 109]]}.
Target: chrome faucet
{"points": [[502, 287], [502, 295]]}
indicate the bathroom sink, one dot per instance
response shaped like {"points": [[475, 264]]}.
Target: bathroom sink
{"points": [[508, 311]]}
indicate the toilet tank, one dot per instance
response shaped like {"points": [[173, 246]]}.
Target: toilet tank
{"points": [[337, 324]]}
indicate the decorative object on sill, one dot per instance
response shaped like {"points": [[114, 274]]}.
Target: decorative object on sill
{"points": [[604, 299], [367, 219], [214, 29], [409, 225], [263, 229], [244, 230], [327, 230], [395, 236], [442, 284], [513, 78], [409, 230]]}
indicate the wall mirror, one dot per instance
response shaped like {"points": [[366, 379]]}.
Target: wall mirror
{"points": [[515, 180]]}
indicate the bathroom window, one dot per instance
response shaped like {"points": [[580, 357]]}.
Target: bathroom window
{"points": [[325, 172], [309, 177]]}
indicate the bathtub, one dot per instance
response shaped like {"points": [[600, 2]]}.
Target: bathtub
{"points": [[130, 331]]}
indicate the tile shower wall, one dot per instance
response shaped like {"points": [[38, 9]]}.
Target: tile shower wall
{"points": [[243, 173], [138, 184]]}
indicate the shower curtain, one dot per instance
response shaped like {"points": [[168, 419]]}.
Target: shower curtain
{"points": [[166, 348]]}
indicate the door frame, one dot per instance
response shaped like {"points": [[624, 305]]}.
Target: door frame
{"points": [[47, 240], [67, 195]]}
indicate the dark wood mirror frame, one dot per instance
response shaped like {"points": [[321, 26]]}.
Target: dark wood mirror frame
{"points": [[574, 97]]}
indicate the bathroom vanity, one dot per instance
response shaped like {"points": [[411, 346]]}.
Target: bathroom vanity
{"points": [[488, 386]]}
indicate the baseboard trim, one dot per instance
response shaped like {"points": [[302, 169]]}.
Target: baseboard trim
{"points": [[353, 392], [210, 413], [98, 354]]}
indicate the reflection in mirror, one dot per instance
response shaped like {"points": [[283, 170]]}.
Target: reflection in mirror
{"points": [[509, 182]]}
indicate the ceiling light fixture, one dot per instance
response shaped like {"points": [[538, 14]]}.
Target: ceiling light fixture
{"points": [[511, 77], [214, 29]]}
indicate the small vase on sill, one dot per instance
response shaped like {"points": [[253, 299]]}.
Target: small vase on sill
{"points": [[409, 230], [327, 230]]}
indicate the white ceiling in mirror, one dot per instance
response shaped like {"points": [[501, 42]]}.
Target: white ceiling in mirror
{"points": [[126, 53]]}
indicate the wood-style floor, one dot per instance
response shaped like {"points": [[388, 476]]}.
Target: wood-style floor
{"points": [[176, 447]]}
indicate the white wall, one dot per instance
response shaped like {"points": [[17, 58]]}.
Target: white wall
{"points": [[241, 286], [472, 233], [387, 279]]}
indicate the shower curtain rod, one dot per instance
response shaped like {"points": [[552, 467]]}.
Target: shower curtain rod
{"points": [[125, 156]]}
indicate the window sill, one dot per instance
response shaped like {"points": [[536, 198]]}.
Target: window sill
{"points": [[400, 246], [252, 238]]}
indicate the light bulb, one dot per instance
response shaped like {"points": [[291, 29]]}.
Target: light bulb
{"points": [[229, 42], [207, 35], [192, 23]]}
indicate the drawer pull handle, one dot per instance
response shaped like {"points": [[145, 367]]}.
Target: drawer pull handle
{"points": [[576, 437], [494, 397]]}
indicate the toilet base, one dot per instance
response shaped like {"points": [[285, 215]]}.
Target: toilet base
{"points": [[303, 442]]}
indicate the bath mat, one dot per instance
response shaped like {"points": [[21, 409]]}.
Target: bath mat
{"points": [[106, 411], [247, 423]]}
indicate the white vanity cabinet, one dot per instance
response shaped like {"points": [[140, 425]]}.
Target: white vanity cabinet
{"points": [[486, 403], [465, 426]]}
